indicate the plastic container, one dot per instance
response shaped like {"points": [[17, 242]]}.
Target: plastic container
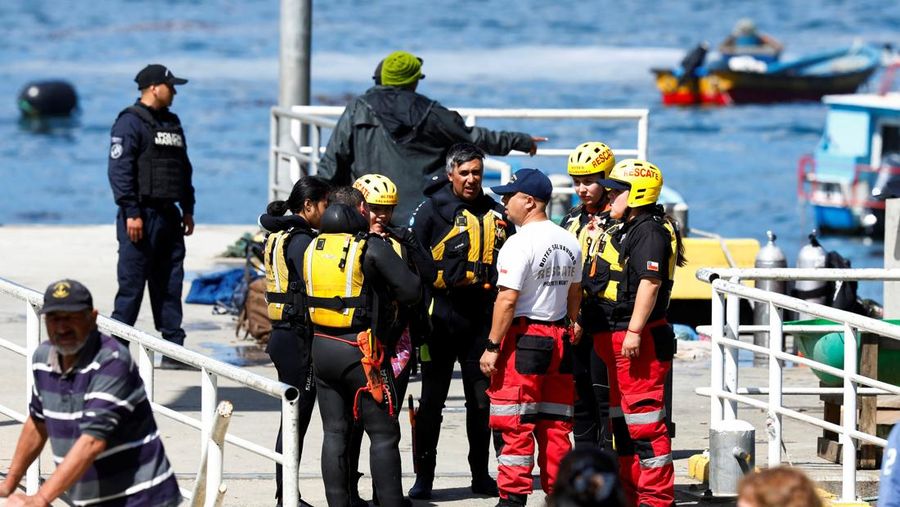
{"points": [[828, 348]]}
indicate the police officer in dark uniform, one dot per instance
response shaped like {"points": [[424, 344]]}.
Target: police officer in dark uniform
{"points": [[454, 222], [150, 172]]}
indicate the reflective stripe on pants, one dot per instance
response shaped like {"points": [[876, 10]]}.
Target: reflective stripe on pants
{"points": [[531, 407], [638, 417]]}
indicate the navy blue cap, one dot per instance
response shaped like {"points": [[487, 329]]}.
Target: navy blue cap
{"points": [[528, 181], [156, 74], [67, 296]]}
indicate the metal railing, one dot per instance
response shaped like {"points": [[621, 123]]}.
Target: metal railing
{"points": [[291, 156], [210, 371], [724, 391]]}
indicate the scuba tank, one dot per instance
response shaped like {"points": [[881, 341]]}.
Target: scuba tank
{"points": [[769, 256], [814, 291]]}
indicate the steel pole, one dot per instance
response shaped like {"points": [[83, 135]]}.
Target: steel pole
{"points": [[32, 340], [732, 323], [294, 55], [848, 446], [776, 344], [717, 358]]}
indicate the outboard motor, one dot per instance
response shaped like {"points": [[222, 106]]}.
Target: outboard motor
{"points": [[814, 291], [47, 99], [769, 256]]}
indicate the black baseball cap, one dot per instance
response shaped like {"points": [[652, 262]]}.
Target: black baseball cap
{"points": [[156, 74], [67, 296], [528, 181]]}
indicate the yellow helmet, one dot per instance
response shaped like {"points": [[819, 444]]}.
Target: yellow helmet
{"points": [[591, 158], [643, 180], [377, 189]]}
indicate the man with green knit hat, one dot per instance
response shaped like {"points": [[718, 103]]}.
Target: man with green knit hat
{"points": [[401, 68], [405, 135]]}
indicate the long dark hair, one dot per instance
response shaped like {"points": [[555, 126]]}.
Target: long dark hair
{"points": [[660, 211], [308, 187], [680, 259]]}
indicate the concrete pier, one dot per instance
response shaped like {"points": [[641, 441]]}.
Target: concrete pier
{"points": [[33, 256]]}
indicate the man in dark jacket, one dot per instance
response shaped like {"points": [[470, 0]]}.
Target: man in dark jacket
{"points": [[455, 220], [404, 135], [149, 172]]}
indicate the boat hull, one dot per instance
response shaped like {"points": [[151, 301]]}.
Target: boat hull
{"points": [[728, 87]]}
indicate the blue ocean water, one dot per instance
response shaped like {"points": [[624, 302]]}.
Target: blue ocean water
{"points": [[736, 166]]}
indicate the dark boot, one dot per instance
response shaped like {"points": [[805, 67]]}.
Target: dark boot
{"points": [[513, 501], [421, 490], [484, 485], [355, 500]]}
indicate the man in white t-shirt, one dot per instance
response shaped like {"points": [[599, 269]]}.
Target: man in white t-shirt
{"points": [[527, 355]]}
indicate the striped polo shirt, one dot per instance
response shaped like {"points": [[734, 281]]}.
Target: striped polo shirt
{"points": [[103, 395]]}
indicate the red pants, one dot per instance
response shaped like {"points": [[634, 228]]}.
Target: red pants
{"points": [[637, 412], [532, 396]]}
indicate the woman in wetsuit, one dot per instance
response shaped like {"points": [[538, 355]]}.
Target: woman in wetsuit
{"points": [[351, 278], [291, 340]]}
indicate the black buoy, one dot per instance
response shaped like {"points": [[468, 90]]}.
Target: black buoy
{"points": [[47, 98]]}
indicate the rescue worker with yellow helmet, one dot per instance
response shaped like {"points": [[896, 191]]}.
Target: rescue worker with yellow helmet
{"points": [[352, 279], [632, 269], [290, 343], [464, 229], [409, 323], [588, 164]]}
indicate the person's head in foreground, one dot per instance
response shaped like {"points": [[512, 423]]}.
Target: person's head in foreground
{"points": [[778, 487]]}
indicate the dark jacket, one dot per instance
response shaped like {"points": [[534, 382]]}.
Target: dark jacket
{"points": [[130, 137], [432, 221], [404, 136]]}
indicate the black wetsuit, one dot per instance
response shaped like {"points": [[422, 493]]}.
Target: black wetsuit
{"points": [[462, 321], [339, 373], [290, 343]]}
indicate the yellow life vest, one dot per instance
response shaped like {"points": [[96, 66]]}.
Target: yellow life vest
{"points": [[587, 234], [284, 295], [335, 284], [468, 252], [604, 272]]}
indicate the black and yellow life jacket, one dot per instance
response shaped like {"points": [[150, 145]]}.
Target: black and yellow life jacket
{"points": [[335, 284], [285, 293], [605, 273], [587, 227], [466, 255]]}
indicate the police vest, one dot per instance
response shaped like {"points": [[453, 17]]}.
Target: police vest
{"points": [[163, 166], [467, 254], [285, 293], [605, 273], [587, 233], [335, 284]]}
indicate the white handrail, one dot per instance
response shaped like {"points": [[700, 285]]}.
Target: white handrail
{"points": [[724, 391], [210, 371], [290, 156]]}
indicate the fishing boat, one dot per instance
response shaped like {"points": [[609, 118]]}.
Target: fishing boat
{"points": [[745, 79], [856, 163]]}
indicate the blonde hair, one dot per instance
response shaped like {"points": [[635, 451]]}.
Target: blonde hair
{"points": [[778, 487]]}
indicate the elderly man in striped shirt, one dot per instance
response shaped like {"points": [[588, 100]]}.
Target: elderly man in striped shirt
{"points": [[89, 400]]}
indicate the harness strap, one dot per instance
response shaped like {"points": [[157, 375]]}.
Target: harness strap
{"points": [[338, 302]]}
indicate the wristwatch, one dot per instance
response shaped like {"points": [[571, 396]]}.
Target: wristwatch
{"points": [[491, 346]]}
